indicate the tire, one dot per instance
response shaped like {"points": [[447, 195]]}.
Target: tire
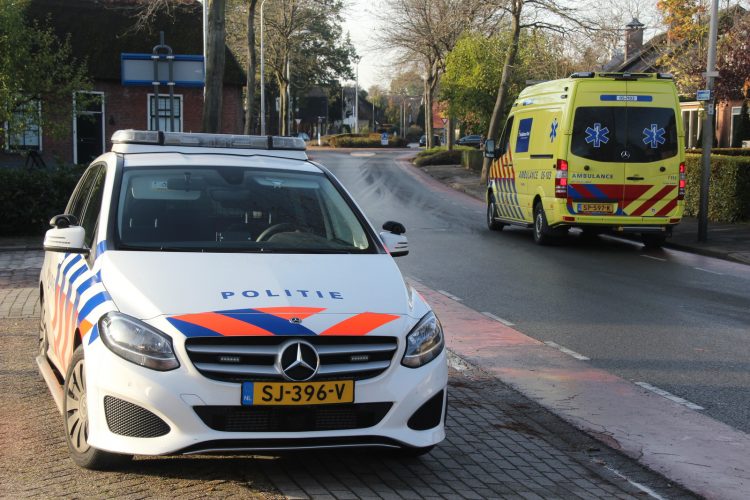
{"points": [[492, 223], [651, 240], [542, 231], [75, 420]]}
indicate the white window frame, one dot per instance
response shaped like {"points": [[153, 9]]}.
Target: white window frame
{"points": [[731, 121], [8, 134], [75, 124], [178, 119]]}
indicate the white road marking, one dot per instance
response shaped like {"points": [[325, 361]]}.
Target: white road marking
{"points": [[654, 258], [450, 295], [708, 271], [498, 319], [669, 396], [567, 351], [362, 155], [648, 491]]}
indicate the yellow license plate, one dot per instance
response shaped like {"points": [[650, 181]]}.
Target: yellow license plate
{"points": [[297, 393], [596, 208]]}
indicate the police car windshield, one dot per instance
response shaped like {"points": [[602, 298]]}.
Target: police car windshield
{"points": [[235, 209], [630, 135]]}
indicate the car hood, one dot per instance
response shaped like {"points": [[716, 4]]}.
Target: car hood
{"points": [[255, 294]]}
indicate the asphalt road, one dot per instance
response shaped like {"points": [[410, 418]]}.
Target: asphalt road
{"points": [[677, 321]]}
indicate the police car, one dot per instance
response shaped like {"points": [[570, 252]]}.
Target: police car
{"points": [[214, 293]]}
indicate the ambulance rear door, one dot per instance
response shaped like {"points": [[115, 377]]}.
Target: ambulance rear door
{"points": [[652, 162], [596, 168]]}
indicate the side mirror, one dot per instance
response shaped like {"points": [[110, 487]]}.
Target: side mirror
{"points": [[489, 148], [65, 235], [396, 244], [394, 227]]}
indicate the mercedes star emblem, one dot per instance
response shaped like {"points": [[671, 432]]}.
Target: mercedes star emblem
{"points": [[625, 155], [298, 361]]}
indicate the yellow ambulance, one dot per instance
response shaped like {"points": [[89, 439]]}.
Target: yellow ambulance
{"points": [[597, 151]]}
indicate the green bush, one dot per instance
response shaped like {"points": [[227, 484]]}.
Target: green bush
{"points": [[442, 157], [439, 149], [729, 192], [364, 141], [30, 198], [472, 159], [721, 151]]}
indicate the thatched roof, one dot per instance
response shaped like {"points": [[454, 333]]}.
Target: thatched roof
{"points": [[100, 30]]}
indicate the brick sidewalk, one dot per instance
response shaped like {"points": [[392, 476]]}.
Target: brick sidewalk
{"points": [[19, 278]]}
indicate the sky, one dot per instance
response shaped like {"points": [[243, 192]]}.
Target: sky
{"points": [[361, 23]]}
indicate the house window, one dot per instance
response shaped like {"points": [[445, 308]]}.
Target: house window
{"points": [[24, 132], [159, 116], [693, 125], [736, 131]]}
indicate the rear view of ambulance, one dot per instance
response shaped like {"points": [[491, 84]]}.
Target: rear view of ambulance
{"points": [[597, 151]]}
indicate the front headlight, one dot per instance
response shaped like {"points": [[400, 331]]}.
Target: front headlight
{"points": [[424, 342], [137, 342]]}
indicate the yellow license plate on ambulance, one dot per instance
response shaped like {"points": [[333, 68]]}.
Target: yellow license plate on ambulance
{"points": [[595, 208], [297, 393]]}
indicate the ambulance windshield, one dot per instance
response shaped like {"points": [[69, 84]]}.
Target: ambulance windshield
{"points": [[630, 135]]}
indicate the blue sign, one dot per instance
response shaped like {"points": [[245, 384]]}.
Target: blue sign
{"points": [[553, 130], [597, 135], [654, 136], [384, 139], [524, 134], [703, 95], [626, 98], [247, 394]]}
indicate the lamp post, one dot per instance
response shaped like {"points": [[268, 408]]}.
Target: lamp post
{"points": [[356, 96], [262, 76], [708, 124]]}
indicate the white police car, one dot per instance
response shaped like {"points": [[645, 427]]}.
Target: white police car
{"points": [[216, 293]]}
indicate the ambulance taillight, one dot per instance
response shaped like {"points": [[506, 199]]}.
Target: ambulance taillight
{"points": [[681, 187], [561, 179]]}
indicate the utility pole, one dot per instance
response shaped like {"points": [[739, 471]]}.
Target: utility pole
{"points": [[708, 124], [356, 99], [262, 76]]}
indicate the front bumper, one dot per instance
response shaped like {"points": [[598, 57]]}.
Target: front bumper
{"points": [[172, 397]]}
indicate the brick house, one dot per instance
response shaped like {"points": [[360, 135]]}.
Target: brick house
{"points": [[100, 31], [640, 57]]}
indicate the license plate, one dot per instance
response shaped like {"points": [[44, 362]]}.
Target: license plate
{"points": [[297, 393], [595, 208]]}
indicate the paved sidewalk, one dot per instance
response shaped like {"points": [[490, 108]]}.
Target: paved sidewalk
{"points": [[725, 241], [19, 278]]}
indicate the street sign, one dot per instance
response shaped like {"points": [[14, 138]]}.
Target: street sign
{"points": [[138, 69], [703, 95], [384, 139]]}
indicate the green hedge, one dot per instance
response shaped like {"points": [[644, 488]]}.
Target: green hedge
{"points": [[363, 141], [443, 157], [721, 151], [30, 198], [729, 196], [472, 160]]}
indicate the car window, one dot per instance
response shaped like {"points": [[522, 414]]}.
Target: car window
{"points": [[631, 135], [91, 212], [234, 208], [81, 193], [505, 139]]}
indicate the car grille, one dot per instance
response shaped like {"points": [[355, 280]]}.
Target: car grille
{"points": [[252, 359], [126, 419], [292, 419]]}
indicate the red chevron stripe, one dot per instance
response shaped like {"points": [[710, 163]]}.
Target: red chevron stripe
{"points": [[667, 208], [223, 325], [653, 201]]}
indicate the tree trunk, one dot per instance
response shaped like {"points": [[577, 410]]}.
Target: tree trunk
{"points": [[283, 105], [251, 65], [214, 66], [449, 133], [510, 59]]}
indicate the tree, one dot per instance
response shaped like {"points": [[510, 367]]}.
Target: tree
{"points": [[428, 30], [215, 53], [469, 85], [36, 67], [305, 39], [516, 10], [685, 49], [251, 66], [733, 61]]}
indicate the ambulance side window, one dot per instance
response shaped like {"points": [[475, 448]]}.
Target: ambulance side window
{"points": [[504, 145]]}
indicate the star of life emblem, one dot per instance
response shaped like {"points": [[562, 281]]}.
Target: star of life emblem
{"points": [[597, 135], [654, 136]]}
